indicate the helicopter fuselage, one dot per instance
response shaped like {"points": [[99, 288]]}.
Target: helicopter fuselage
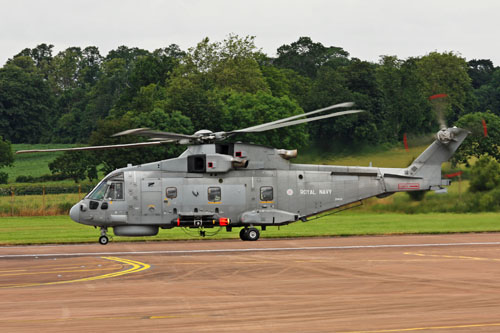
{"points": [[239, 185]]}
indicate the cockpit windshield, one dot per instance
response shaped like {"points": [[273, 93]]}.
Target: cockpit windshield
{"points": [[99, 191], [110, 188]]}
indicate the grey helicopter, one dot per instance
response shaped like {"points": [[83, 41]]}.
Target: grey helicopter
{"points": [[241, 185]]}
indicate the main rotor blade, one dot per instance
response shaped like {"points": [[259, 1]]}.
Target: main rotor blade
{"points": [[254, 128], [296, 122], [126, 145], [155, 134]]}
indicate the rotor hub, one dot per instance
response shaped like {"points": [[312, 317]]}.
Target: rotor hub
{"points": [[444, 136], [205, 135]]}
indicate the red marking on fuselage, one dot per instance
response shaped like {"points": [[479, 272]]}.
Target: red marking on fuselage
{"points": [[408, 186]]}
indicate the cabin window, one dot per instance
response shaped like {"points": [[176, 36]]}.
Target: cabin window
{"points": [[171, 192], [115, 191], [214, 194], [266, 193]]}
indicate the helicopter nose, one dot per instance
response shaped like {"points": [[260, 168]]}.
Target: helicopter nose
{"points": [[74, 212]]}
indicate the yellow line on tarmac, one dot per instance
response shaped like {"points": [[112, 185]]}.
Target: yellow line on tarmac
{"points": [[14, 270], [54, 272], [426, 328], [136, 267], [450, 257]]}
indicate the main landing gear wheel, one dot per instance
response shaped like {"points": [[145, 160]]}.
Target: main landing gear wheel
{"points": [[103, 240], [250, 234], [243, 234]]}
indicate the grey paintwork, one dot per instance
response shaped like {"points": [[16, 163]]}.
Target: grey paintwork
{"points": [[242, 172]]}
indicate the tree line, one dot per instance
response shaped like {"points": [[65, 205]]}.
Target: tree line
{"points": [[80, 96]]}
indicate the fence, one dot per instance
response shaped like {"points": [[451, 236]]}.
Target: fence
{"points": [[40, 200]]}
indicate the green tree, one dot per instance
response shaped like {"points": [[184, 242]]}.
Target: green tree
{"points": [[75, 165], [25, 102], [41, 56], [245, 110], [231, 64], [195, 98], [90, 66], [73, 72], [476, 144], [150, 68], [129, 54], [95, 103], [156, 119], [149, 109], [330, 87], [361, 80], [446, 73], [485, 175], [307, 57], [488, 94], [6, 159], [287, 82], [66, 68], [404, 108], [480, 71]]}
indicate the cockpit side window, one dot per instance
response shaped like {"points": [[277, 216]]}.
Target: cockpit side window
{"points": [[115, 191], [110, 188]]}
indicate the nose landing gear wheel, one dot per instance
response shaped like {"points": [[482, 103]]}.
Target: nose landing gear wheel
{"points": [[103, 240]]}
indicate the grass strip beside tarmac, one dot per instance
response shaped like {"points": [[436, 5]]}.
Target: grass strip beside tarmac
{"points": [[61, 229]]}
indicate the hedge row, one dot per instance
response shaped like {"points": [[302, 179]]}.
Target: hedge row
{"points": [[38, 189]]}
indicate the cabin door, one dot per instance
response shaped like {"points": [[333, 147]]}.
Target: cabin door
{"points": [[151, 192]]}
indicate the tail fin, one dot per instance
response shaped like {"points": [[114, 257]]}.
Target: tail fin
{"points": [[428, 164]]}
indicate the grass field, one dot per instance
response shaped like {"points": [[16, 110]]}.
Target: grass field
{"points": [[395, 157], [35, 164], [36, 205], [60, 229]]}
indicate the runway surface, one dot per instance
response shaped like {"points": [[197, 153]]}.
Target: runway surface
{"points": [[436, 283]]}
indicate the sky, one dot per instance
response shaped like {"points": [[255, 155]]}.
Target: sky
{"points": [[366, 29]]}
